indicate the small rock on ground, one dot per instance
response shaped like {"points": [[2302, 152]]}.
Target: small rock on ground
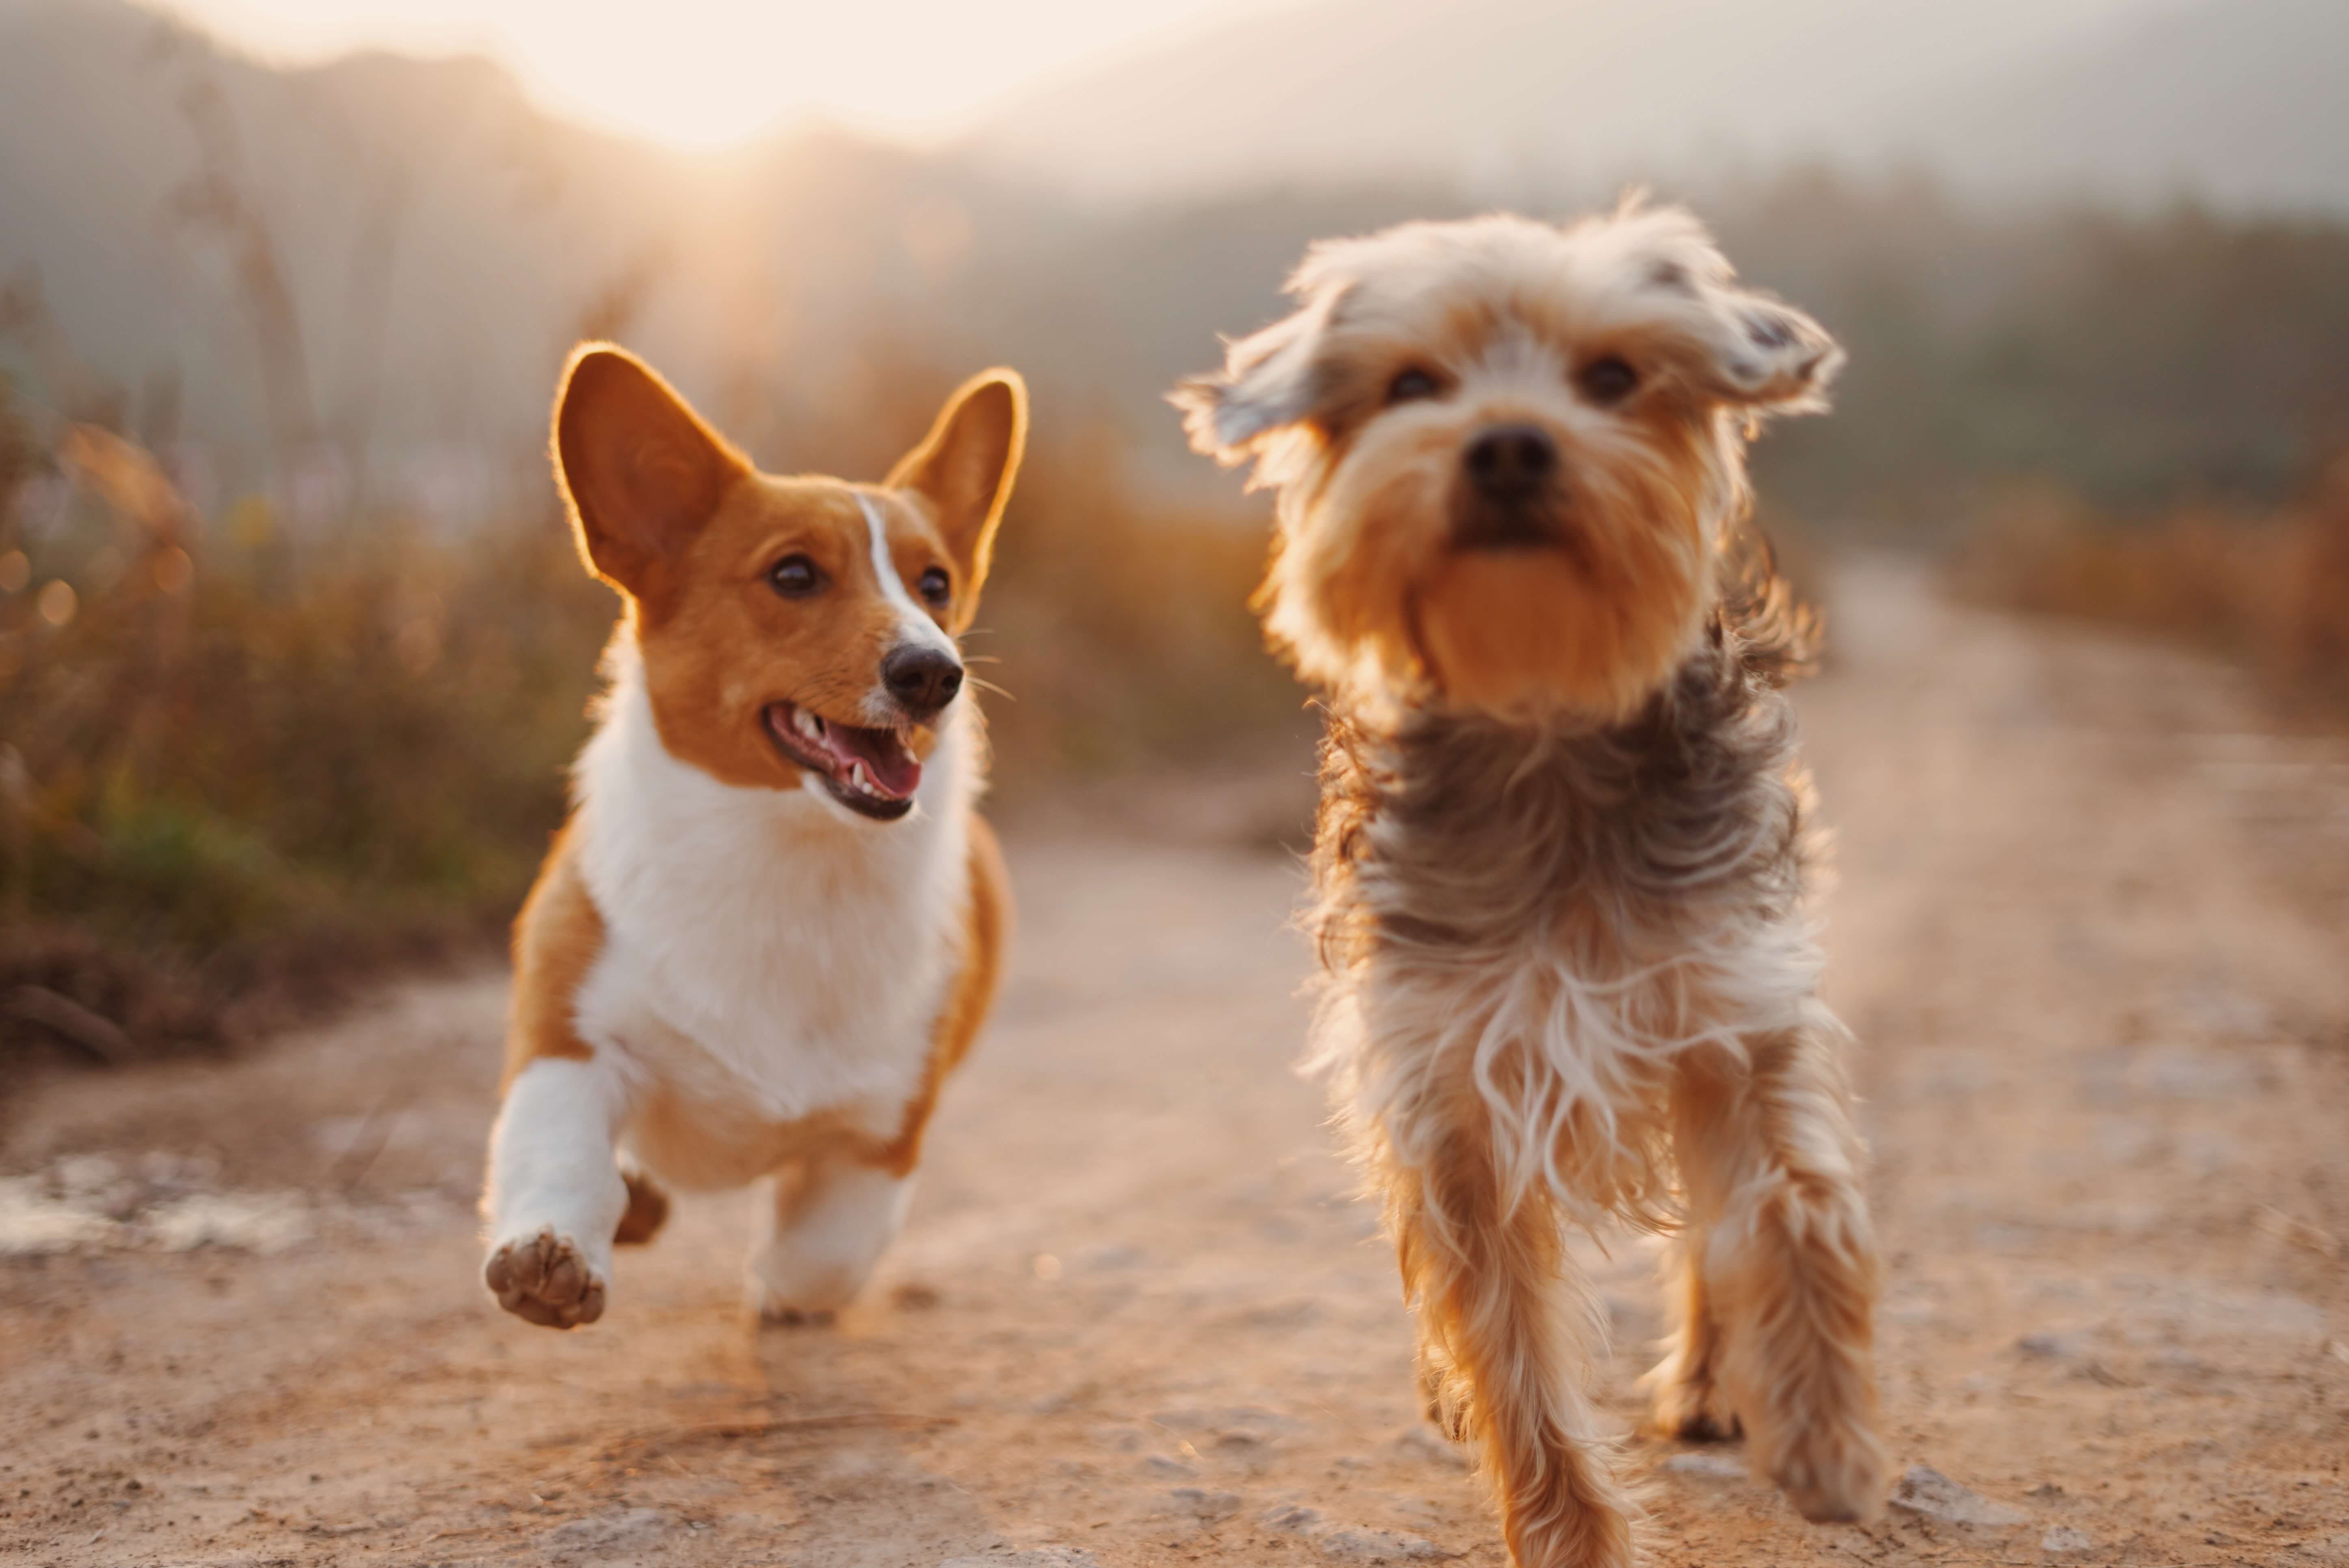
{"points": [[2062, 1539], [603, 1538], [1290, 1516], [1927, 1491], [1032, 1557], [1347, 1542], [1422, 1444], [1352, 1546], [1707, 1467], [1204, 1504]]}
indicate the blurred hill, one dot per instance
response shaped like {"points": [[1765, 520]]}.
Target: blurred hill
{"points": [[147, 176], [2233, 102], [350, 284], [438, 240], [2238, 103], [288, 676]]}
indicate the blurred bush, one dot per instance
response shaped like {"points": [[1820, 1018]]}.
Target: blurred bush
{"points": [[238, 766], [2270, 590]]}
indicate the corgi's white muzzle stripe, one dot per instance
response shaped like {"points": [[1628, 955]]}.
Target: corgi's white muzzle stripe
{"points": [[915, 627], [914, 623]]}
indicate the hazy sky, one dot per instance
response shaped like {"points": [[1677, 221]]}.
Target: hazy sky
{"points": [[706, 72]]}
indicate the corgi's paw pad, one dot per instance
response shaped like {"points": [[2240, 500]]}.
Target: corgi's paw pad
{"points": [[546, 1279]]}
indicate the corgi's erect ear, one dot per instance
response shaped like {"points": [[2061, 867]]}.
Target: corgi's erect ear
{"points": [[641, 470], [965, 466]]}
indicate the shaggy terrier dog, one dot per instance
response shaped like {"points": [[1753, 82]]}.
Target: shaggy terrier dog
{"points": [[1560, 875]]}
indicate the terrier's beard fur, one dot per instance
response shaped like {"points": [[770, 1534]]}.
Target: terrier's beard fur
{"points": [[1592, 598]]}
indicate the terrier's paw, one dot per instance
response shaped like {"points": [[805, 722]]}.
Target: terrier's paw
{"points": [[546, 1279], [1444, 1400], [1833, 1474], [1689, 1410]]}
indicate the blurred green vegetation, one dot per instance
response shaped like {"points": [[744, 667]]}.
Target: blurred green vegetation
{"points": [[246, 754], [2134, 360], [2268, 590], [237, 766]]}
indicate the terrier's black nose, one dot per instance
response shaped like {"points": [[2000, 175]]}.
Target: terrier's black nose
{"points": [[1509, 461], [922, 680]]}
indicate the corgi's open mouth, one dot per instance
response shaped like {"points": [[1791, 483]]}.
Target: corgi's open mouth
{"points": [[871, 771]]}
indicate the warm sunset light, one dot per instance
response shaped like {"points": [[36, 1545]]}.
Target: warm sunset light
{"points": [[756, 753], [708, 73]]}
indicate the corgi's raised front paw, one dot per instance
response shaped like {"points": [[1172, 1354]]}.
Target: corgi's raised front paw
{"points": [[546, 1279]]}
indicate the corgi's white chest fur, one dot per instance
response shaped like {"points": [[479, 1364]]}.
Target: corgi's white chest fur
{"points": [[766, 951]]}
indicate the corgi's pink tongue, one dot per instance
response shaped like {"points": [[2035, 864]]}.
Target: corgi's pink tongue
{"points": [[889, 767]]}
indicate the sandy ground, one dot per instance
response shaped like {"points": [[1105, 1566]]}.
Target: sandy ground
{"points": [[2090, 930]]}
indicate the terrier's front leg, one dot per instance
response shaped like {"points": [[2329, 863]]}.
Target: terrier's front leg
{"points": [[555, 1195], [1789, 1265], [820, 1239], [1508, 1333], [1687, 1402]]}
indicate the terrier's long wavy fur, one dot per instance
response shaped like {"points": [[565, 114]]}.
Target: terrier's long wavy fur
{"points": [[1564, 848]]}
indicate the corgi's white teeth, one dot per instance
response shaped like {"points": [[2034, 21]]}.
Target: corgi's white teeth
{"points": [[807, 723], [862, 779]]}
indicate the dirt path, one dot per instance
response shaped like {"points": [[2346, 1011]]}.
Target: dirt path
{"points": [[2091, 928]]}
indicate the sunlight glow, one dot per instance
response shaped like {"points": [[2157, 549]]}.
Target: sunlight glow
{"points": [[711, 73]]}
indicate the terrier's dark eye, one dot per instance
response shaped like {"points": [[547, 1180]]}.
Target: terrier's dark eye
{"points": [[1609, 380], [1411, 387], [794, 577], [936, 587]]}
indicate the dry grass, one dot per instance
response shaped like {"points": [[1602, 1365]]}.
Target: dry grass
{"points": [[1118, 628], [238, 767], [2271, 590], [245, 767]]}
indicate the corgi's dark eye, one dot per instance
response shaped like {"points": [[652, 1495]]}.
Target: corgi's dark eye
{"points": [[794, 577], [1411, 387], [1609, 380], [936, 586]]}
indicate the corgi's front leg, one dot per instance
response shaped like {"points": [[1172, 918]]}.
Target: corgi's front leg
{"points": [[819, 1240], [555, 1192]]}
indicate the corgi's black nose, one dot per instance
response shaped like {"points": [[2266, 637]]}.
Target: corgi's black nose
{"points": [[922, 679], [1509, 461]]}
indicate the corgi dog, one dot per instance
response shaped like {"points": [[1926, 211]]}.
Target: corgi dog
{"points": [[775, 920]]}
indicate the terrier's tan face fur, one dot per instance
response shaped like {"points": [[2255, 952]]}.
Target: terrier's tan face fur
{"points": [[1506, 452]]}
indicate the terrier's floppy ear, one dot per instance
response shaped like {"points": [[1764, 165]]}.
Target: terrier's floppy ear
{"points": [[1728, 344], [640, 469], [964, 467], [1270, 380], [1765, 354]]}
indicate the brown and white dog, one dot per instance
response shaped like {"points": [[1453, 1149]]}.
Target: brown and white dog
{"points": [[1561, 869], [773, 923]]}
